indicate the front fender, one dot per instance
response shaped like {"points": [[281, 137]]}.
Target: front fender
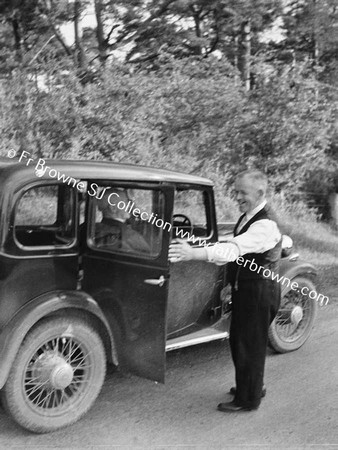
{"points": [[36, 309], [289, 269]]}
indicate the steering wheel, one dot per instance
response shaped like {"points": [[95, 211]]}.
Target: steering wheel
{"points": [[186, 222], [182, 224]]}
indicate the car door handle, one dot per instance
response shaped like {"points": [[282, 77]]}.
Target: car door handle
{"points": [[156, 282]]}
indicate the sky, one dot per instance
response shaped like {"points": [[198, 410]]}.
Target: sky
{"points": [[88, 20]]}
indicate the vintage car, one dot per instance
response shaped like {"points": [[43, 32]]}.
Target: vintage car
{"points": [[75, 296]]}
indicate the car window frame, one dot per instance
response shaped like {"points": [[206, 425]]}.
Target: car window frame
{"points": [[89, 214], [39, 250], [209, 208]]}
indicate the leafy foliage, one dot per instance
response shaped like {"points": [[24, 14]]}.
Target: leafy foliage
{"points": [[175, 102], [191, 115]]}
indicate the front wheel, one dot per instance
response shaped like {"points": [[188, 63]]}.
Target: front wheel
{"points": [[295, 318], [56, 376]]}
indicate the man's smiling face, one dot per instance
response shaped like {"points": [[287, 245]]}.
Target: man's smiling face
{"points": [[248, 195]]}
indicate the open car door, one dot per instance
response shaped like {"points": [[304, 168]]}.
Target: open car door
{"points": [[126, 268]]}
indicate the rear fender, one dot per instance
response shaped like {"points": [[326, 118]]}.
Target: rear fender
{"points": [[50, 304], [289, 269]]}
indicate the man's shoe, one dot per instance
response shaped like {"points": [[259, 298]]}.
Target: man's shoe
{"points": [[233, 391], [232, 407]]}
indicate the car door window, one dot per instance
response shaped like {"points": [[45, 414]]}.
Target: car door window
{"points": [[190, 216], [128, 220], [44, 216]]}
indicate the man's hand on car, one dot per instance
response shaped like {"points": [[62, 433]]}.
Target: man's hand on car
{"points": [[180, 250]]}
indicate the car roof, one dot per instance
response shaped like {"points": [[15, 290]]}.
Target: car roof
{"points": [[100, 170]]}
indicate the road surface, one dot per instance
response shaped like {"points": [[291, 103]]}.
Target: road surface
{"points": [[299, 411]]}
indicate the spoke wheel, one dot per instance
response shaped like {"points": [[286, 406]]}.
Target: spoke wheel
{"points": [[57, 375], [295, 319]]}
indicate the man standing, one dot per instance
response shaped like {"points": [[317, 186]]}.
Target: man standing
{"points": [[254, 253]]}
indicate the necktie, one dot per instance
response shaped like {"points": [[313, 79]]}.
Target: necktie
{"points": [[242, 223]]}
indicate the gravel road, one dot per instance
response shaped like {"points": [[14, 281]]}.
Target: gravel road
{"points": [[299, 411]]}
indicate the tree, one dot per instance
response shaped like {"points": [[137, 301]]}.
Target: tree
{"points": [[35, 23], [194, 27], [312, 35]]}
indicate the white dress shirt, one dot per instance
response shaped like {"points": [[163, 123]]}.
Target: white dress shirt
{"points": [[260, 237]]}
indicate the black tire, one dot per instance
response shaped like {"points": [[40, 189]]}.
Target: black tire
{"points": [[56, 376], [284, 335]]}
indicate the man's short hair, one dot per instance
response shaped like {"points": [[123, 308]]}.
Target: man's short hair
{"points": [[103, 203], [259, 179]]}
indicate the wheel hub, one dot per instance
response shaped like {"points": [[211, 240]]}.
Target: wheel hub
{"points": [[61, 376], [54, 371], [296, 315]]}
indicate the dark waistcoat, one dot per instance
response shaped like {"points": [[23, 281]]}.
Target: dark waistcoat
{"points": [[268, 260]]}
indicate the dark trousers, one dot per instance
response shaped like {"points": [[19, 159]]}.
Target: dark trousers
{"points": [[254, 306]]}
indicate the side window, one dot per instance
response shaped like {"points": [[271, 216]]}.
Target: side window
{"points": [[44, 216], [128, 220], [190, 214]]}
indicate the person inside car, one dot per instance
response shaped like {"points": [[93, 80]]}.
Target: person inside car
{"points": [[115, 230]]}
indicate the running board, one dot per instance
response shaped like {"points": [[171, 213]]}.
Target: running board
{"points": [[195, 338]]}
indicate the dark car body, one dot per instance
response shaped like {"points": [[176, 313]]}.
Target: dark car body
{"points": [[52, 264]]}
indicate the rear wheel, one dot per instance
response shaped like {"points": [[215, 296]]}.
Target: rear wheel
{"points": [[295, 319], [56, 376]]}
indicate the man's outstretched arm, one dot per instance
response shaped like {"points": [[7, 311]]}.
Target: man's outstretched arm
{"points": [[220, 254]]}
